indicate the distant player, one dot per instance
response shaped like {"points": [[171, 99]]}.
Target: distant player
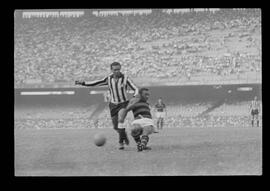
{"points": [[118, 84], [143, 124], [255, 107], [160, 113]]}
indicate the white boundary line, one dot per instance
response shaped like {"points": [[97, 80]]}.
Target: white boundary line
{"points": [[244, 89], [49, 93]]}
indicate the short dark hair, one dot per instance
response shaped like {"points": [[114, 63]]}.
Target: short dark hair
{"points": [[115, 64], [143, 89]]}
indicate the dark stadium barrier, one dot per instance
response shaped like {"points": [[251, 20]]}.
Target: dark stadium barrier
{"points": [[175, 94]]}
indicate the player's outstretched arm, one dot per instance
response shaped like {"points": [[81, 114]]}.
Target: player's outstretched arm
{"points": [[102, 82]]}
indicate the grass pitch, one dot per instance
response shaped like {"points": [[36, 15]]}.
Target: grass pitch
{"points": [[175, 151]]}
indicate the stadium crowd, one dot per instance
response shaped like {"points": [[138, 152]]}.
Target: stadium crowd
{"points": [[157, 45]]}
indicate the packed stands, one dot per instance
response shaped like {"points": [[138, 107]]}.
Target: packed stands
{"points": [[182, 45]]}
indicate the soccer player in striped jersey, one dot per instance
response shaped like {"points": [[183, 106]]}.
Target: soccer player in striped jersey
{"points": [[143, 124], [255, 107], [118, 84]]}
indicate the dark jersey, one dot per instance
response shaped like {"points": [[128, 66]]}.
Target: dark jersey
{"points": [[141, 108], [160, 107]]}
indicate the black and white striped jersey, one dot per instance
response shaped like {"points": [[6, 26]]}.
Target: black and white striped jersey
{"points": [[117, 87], [255, 105]]}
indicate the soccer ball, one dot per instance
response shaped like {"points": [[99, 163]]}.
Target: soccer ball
{"points": [[99, 140]]}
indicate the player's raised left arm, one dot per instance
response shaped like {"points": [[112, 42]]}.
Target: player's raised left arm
{"points": [[102, 82]]}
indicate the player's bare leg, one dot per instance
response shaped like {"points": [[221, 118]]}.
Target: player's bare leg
{"points": [[158, 121], [121, 132], [161, 123], [122, 115], [257, 119], [253, 120], [121, 119]]}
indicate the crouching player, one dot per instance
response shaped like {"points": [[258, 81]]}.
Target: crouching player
{"points": [[143, 124]]}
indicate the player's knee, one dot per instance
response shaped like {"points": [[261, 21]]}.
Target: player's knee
{"points": [[121, 120], [136, 132], [148, 130]]}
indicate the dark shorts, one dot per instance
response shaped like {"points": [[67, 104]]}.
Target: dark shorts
{"points": [[115, 108], [254, 112]]}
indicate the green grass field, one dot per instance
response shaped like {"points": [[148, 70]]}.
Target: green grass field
{"points": [[175, 151]]}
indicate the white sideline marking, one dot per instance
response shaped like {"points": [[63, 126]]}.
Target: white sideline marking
{"points": [[49, 93], [97, 92], [244, 89]]}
